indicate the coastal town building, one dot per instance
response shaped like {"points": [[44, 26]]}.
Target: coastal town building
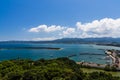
{"points": [[113, 54]]}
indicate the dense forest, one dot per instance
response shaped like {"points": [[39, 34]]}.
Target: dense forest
{"points": [[54, 69]]}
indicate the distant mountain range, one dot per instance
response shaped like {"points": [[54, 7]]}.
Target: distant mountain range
{"points": [[88, 40], [73, 40]]}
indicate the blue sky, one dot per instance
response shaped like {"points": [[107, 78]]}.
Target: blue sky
{"points": [[53, 19]]}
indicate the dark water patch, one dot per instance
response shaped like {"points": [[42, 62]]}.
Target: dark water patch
{"points": [[72, 55], [91, 54], [102, 49]]}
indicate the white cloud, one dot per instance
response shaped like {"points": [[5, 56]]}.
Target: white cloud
{"points": [[106, 27], [68, 31], [44, 39], [45, 28]]}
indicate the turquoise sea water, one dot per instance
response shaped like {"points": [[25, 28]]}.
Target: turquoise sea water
{"points": [[80, 52]]}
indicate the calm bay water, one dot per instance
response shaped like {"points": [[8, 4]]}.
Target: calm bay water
{"points": [[77, 52]]}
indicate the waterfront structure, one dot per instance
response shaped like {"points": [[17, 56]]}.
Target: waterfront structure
{"points": [[114, 56]]}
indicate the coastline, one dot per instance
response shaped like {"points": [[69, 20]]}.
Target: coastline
{"points": [[92, 65], [97, 66]]}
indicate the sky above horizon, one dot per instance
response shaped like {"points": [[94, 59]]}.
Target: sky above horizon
{"points": [[54, 19]]}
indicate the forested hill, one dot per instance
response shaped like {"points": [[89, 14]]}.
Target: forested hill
{"points": [[55, 69]]}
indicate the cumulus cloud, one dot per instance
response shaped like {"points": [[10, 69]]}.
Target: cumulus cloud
{"points": [[106, 27], [45, 28]]}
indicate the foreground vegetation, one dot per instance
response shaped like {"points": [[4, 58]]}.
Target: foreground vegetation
{"points": [[90, 70], [55, 69]]}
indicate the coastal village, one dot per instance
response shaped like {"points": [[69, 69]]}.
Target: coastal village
{"points": [[112, 55]]}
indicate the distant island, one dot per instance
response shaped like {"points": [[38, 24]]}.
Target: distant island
{"points": [[108, 41], [72, 40]]}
